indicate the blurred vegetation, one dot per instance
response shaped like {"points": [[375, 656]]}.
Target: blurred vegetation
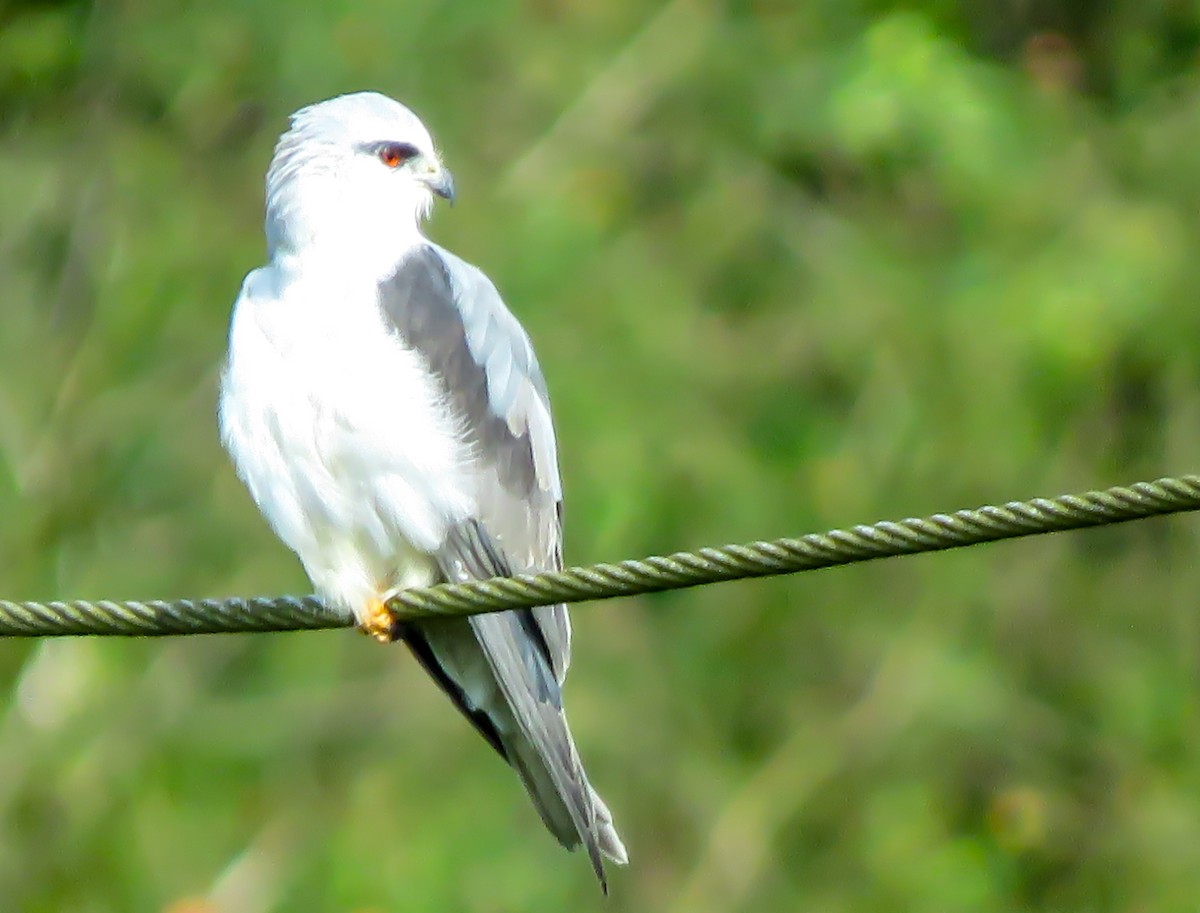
{"points": [[788, 266]]}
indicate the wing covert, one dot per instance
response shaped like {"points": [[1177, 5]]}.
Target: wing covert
{"points": [[450, 313]]}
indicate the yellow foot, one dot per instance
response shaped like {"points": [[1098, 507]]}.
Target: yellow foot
{"points": [[380, 623]]}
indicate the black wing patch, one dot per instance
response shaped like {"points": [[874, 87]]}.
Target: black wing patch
{"points": [[419, 303], [469, 554], [416, 641]]}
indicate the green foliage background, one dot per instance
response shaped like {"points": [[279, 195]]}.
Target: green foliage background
{"points": [[788, 265]]}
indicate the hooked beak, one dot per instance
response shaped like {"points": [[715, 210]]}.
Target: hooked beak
{"points": [[440, 181]]}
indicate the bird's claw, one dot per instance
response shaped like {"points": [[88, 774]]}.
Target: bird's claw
{"points": [[380, 623]]}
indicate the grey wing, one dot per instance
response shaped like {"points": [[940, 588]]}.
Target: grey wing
{"points": [[451, 314]]}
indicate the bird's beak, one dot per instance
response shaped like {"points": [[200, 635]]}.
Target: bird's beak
{"points": [[440, 181]]}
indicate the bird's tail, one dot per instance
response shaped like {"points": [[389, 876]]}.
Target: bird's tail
{"points": [[567, 802], [531, 726]]}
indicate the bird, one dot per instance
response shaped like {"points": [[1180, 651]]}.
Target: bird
{"points": [[388, 416]]}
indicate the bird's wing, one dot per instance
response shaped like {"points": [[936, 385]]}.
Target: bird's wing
{"points": [[450, 313]]}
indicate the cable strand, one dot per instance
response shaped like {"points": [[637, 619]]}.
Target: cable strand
{"points": [[888, 538]]}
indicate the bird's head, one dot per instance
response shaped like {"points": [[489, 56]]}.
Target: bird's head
{"points": [[356, 173]]}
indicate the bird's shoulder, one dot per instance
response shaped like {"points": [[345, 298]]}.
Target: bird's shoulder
{"points": [[435, 292], [261, 284], [451, 314]]}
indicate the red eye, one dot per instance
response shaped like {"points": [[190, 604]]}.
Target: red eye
{"points": [[396, 154]]}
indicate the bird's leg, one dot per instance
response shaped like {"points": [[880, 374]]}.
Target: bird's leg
{"points": [[380, 623]]}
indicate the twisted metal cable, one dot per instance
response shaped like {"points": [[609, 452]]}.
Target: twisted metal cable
{"points": [[626, 578]]}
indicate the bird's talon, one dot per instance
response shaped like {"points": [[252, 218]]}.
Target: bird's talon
{"points": [[380, 623]]}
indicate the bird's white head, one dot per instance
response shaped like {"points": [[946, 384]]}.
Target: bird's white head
{"points": [[352, 176]]}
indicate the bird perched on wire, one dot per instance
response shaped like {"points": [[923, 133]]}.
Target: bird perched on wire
{"points": [[389, 418]]}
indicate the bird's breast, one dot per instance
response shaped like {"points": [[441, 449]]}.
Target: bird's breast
{"points": [[338, 429]]}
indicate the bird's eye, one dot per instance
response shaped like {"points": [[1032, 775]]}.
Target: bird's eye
{"points": [[396, 154]]}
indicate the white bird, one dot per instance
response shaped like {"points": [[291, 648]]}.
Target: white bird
{"points": [[389, 418]]}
